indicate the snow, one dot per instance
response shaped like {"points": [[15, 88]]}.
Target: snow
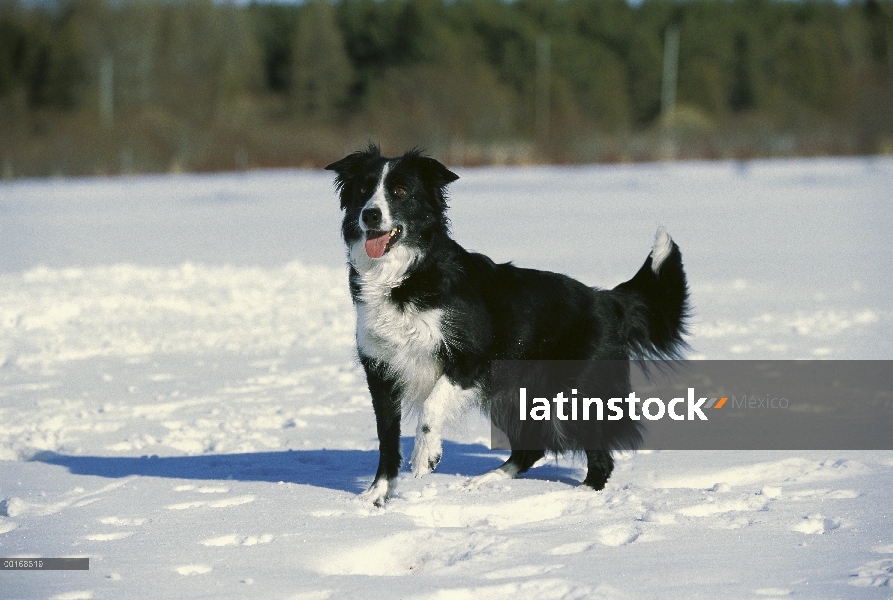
{"points": [[180, 399]]}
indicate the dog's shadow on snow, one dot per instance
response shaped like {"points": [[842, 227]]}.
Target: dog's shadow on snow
{"points": [[346, 470]]}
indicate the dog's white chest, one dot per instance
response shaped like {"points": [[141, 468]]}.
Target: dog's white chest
{"points": [[405, 339], [384, 329]]}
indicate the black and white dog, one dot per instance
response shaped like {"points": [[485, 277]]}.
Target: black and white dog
{"points": [[431, 317]]}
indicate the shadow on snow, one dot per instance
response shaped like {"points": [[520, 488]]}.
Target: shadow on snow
{"points": [[345, 470]]}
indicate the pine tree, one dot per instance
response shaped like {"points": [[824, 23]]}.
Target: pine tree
{"points": [[321, 71]]}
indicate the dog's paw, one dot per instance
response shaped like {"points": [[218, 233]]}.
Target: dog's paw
{"points": [[595, 486], [379, 492], [425, 455], [489, 477]]}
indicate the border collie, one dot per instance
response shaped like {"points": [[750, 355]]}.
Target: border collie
{"points": [[431, 316]]}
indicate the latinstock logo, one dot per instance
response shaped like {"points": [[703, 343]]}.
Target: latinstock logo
{"points": [[697, 405], [587, 409]]}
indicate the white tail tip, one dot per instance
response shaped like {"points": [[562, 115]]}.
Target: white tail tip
{"points": [[663, 245]]}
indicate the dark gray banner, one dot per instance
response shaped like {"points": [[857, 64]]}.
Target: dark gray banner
{"points": [[692, 405], [44, 564]]}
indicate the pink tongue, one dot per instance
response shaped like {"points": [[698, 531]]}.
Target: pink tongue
{"points": [[376, 243]]}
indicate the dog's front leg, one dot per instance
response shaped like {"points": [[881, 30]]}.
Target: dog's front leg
{"points": [[444, 402], [386, 403], [428, 448]]}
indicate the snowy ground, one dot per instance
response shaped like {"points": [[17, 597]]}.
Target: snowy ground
{"points": [[180, 401]]}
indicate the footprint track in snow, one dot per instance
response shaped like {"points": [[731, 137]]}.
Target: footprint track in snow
{"points": [[877, 573], [618, 535], [824, 494], [816, 524], [542, 589], [115, 535], [73, 498], [238, 540], [712, 506], [572, 548], [74, 595], [193, 569], [223, 503], [521, 571], [773, 592], [6, 525], [508, 513], [789, 470], [108, 537], [658, 517], [408, 553], [126, 522]]}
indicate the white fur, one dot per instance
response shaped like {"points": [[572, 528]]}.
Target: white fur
{"points": [[385, 272], [379, 200], [663, 245], [406, 339], [379, 492], [445, 403]]}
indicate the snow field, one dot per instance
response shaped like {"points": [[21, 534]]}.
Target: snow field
{"points": [[200, 428]]}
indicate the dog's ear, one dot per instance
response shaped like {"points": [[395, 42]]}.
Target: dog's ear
{"points": [[349, 167], [436, 173], [433, 173]]}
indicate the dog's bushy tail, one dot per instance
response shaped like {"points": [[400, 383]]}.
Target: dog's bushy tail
{"points": [[653, 305]]}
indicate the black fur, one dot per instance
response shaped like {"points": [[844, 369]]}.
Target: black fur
{"points": [[502, 312]]}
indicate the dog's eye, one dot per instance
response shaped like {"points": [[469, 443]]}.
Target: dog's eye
{"points": [[399, 191], [363, 189]]}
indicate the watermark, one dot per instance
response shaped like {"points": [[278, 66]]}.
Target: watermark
{"points": [[44, 564], [755, 402], [594, 408], [651, 409], [693, 405]]}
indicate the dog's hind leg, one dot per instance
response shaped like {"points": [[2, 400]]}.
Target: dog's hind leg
{"points": [[600, 464], [519, 462]]}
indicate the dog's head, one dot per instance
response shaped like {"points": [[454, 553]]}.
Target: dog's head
{"points": [[391, 205]]}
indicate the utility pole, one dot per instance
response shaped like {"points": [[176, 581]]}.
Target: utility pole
{"points": [[543, 74], [106, 90], [671, 70]]}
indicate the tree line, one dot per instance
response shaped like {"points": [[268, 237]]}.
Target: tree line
{"points": [[114, 85]]}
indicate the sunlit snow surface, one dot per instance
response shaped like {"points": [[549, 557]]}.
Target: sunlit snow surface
{"points": [[180, 399]]}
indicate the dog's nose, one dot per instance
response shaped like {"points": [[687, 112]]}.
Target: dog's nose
{"points": [[371, 217]]}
